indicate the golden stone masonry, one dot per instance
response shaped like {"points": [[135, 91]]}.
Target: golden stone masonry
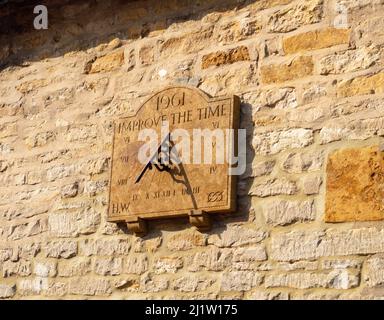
{"points": [[216, 149]]}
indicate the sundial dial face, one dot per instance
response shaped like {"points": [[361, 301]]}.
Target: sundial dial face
{"points": [[175, 188]]}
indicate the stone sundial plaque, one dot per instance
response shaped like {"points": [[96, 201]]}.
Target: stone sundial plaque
{"points": [[174, 183]]}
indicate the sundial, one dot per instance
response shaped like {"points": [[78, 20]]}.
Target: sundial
{"points": [[171, 159]]}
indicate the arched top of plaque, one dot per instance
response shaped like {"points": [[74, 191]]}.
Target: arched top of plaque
{"points": [[139, 191], [197, 93]]}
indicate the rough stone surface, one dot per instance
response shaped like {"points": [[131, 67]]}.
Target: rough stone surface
{"points": [[61, 249], [192, 283], [90, 287], [310, 82], [354, 189], [316, 40], [236, 236], [285, 212], [307, 12], [168, 265], [337, 279], [225, 57], [374, 271], [298, 68], [298, 245], [273, 187], [362, 86], [186, 240], [240, 280], [275, 142], [106, 63], [7, 291], [311, 185], [298, 162], [349, 61]]}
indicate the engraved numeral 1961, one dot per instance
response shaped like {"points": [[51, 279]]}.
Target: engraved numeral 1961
{"points": [[166, 101]]}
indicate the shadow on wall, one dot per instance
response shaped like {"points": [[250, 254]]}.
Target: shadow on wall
{"points": [[75, 25]]}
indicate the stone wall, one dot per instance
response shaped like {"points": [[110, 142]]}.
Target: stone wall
{"points": [[309, 205]]}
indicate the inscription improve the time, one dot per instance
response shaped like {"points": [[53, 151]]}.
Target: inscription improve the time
{"points": [[195, 176]]}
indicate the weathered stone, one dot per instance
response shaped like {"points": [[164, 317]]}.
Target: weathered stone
{"points": [[95, 166], [146, 54], [283, 98], [136, 264], [3, 165], [240, 280], [311, 185], [220, 81], [21, 268], [313, 92], [349, 61], [374, 273], [195, 41], [186, 240], [56, 289], [31, 287], [251, 254], [27, 250], [298, 68], [45, 268], [90, 287], [360, 129], [7, 291], [153, 284], [259, 294], [273, 187], [282, 212], [105, 247], [192, 283], [74, 267], [70, 190], [40, 139], [168, 264], [60, 171], [301, 162], [236, 236], [109, 62], [31, 228], [67, 224], [212, 260], [337, 279], [277, 141], [32, 85], [61, 249], [82, 133], [225, 57], [358, 4], [361, 86], [234, 31], [340, 263], [354, 185], [314, 40], [259, 169], [108, 266], [5, 254], [299, 245], [299, 265], [307, 12]]}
